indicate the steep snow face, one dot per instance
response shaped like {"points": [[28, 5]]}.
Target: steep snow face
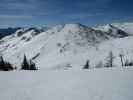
{"points": [[127, 27], [80, 34], [33, 31], [113, 31], [13, 43], [63, 46]]}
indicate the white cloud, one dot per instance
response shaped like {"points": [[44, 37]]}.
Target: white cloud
{"points": [[15, 16]]}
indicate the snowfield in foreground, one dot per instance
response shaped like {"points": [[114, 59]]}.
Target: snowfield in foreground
{"points": [[95, 84]]}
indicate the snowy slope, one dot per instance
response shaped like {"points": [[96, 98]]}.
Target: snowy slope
{"points": [[127, 26], [66, 45], [100, 84], [112, 30], [124, 26]]}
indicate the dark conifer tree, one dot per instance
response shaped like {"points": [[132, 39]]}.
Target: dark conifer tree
{"points": [[121, 57], [8, 66], [32, 65], [5, 66], [110, 60], [87, 65], [2, 60], [25, 64], [1, 63]]}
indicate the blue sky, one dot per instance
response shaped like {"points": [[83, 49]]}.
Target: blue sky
{"points": [[51, 12]]}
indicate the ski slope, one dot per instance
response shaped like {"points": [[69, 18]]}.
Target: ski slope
{"points": [[95, 84]]}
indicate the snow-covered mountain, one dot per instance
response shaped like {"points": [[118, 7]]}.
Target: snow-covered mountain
{"points": [[113, 30], [66, 45], [125, 26], [7, 31]]}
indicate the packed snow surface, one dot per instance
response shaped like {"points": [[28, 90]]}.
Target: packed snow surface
{"points": [[95, 84]]}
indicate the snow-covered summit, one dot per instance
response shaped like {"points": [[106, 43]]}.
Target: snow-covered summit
{"points": [[126, 26], [113, 30]]}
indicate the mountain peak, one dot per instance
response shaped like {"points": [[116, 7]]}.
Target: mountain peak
{"points": [[57, 40], [113, 31]]}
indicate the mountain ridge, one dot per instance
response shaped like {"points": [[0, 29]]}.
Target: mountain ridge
{"points": [[62, 45]]}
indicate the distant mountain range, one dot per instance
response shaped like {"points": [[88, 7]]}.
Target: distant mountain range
{"points": [[7, 31]]}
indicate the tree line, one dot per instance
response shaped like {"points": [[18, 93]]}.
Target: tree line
{"points": [[26, 65], [30, 65], [110, 62]]}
